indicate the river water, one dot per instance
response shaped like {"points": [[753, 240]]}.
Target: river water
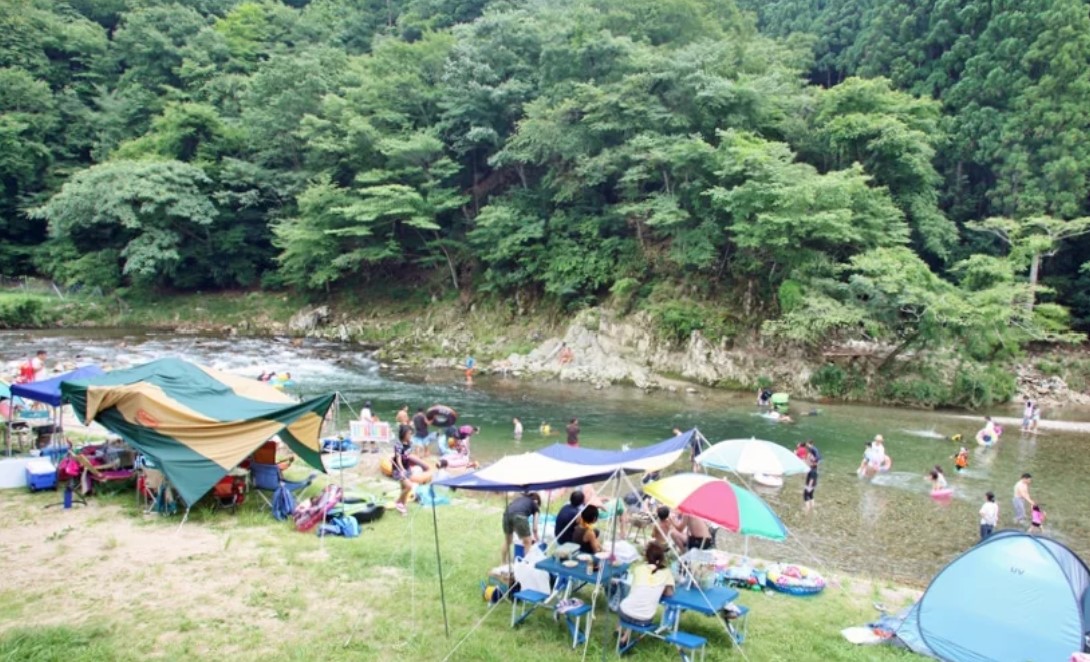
{"points": [[886, 527]]}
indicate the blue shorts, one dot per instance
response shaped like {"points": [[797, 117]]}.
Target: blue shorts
{"points": [[423, 442]]}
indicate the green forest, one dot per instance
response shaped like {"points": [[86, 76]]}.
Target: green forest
{"points": [[911, 172]]}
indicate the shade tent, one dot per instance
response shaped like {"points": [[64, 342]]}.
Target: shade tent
{"points": [[559, 466], [565, 466], [48, 391], [197, 423], [1013, 596], [5, 391]]}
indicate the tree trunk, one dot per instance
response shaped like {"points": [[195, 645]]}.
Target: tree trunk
{"points": [[1034, 270]]}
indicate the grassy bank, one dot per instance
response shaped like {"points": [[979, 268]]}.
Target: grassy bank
{"points": [[106, 582]]}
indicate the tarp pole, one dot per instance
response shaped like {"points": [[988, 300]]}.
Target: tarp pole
{"points": [[439, 561], [612, 555]]}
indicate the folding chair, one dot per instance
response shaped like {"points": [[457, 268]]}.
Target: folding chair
{"points": [[269, 477], [99, 475]]}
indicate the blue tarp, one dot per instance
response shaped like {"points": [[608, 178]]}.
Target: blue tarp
{"points": [[563, 466], [594, 456], [49, 390]]}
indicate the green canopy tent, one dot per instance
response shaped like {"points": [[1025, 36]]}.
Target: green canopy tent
{"points": [[197, 423]]}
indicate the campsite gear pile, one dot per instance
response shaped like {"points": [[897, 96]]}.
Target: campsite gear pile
{"points": [[195, 422]]}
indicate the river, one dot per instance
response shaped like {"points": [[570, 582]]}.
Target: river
{"points": [[887, 527]]}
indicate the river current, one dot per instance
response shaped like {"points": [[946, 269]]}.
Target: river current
{"points": [[887, 527]]}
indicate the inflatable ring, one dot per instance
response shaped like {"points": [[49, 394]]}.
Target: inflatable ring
{"points": [[442, 415], [369, 513], [944, 493], [794, 579], [419, 476], [386, 466]]}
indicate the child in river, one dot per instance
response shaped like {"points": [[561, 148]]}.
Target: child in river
{"points": [[961, 460], [518, 428], [938, 480]]}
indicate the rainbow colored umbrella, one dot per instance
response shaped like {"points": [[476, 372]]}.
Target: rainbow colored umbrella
{"points": [[718, 502]]}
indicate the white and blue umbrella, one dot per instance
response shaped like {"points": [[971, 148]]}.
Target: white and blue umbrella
{"points": [[752, 456]]}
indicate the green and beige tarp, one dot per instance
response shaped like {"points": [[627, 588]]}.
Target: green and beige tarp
{"points": [[197, 423]]}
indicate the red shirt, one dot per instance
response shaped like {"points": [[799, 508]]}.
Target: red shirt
{"points": [[802, 452]]}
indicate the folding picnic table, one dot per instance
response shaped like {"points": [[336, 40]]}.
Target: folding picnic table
{"points": [[708, 601], [568, 581]]}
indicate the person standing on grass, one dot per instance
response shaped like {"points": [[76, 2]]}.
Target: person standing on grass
{"points": [[520, 519], [811, 485], [573, 432], [402, 463], [989, 516], [1021, 498]]}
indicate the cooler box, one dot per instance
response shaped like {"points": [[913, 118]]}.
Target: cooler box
{"points": [[41, 475]]}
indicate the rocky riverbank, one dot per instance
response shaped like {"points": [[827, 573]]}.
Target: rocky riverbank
{"points": [[605, 346]]}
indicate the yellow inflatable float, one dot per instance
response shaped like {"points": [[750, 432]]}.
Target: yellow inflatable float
{"points": [[419, 476]]}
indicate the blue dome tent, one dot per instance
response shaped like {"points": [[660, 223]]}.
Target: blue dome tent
{"points": [[1011, 597]]}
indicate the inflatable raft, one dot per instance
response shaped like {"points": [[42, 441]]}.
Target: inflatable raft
{"points": [[442, 415], [794, 579]]}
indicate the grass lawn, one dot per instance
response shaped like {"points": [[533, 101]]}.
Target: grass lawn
{"points": [[106, 582]]}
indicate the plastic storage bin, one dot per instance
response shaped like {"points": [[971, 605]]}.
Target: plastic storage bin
{"points": [[41, 475]]}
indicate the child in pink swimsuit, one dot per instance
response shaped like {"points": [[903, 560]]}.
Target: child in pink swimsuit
{"points": [[1036, 519]]}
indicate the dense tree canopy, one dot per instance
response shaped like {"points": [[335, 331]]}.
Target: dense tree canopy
{"points": [[909, 172]]}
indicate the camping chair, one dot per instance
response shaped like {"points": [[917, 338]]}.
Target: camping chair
{"points": [[269, 478], [93, 474], [229, 492]]}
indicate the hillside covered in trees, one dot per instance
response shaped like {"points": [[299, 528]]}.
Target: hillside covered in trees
{"points": [[912, 173]]}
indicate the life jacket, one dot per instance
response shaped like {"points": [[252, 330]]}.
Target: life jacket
{"points": [[962, 460]]}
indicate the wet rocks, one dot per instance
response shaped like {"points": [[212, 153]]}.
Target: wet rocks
{"points": [[309, 319]]}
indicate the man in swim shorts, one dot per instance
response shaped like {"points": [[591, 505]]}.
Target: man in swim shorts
{"points": [[421, 437], [520, 519], [1021, 498]]}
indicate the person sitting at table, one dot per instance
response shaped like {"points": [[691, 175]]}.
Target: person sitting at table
{"points": [[700, 537], [665, 530], [584, 532], [565, 519], [651, 581]]}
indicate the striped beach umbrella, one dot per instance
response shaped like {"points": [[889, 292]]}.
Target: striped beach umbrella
{"points": [[717, 501]]}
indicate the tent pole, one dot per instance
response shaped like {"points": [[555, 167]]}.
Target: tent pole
{"points": [[439, 561], [612, 554]]}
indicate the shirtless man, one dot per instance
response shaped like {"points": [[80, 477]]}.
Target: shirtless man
{"points": [[700, 537], [1021, 498]]}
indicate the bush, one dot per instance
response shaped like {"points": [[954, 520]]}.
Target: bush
{"points": [[624, 292], [830, 381], [1050, 368], [24, 311], [975, 387], [916, 390], [790, 295]]}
